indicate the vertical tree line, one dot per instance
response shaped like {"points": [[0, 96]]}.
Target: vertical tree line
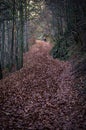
{"points": [[13, 28], [70, 17], [16, 16]]}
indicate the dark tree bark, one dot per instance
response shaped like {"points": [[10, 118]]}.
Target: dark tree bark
{"points": [[3, 44], [1, 75], [13, 33], [21, 34]]}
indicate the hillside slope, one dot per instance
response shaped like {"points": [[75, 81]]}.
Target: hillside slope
{"points": [[41, 96]]}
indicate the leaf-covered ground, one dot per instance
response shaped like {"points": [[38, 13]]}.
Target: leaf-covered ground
{"points": [[41, 96]]}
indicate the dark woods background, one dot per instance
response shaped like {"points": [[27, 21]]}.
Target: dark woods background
{"points": [[62, 22], [70, 35]]}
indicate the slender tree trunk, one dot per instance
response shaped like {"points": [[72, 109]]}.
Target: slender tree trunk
{"points": [[68, 14], [12, 44], [9, 44], [26, 25], [16, 51], [21, 34], [2, 46], [1, 75]]}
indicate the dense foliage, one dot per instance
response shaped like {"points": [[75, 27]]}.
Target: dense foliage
{"points": [[70, 35], [13, 27], [62, 22], [17, 20]]}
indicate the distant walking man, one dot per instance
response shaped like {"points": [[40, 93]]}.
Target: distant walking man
{"points": [[44, 39]]}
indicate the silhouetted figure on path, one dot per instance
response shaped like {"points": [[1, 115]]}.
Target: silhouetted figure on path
{"points": [[44, 39]]}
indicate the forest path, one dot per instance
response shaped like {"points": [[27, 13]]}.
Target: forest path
{"points": [[41, 95]]}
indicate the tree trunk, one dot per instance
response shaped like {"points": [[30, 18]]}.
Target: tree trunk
{"points": [[2, 45], [16, 51], [21, 35], [26, 15], [12, 44], [1, 75]]}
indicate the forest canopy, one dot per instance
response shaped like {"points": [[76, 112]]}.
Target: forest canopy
{"points": [[62, 22]]}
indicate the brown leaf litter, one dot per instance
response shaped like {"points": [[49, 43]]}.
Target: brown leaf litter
{"points": [[41, 96]]}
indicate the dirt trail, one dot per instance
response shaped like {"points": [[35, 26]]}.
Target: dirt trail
{"points": [[41, 96]]}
